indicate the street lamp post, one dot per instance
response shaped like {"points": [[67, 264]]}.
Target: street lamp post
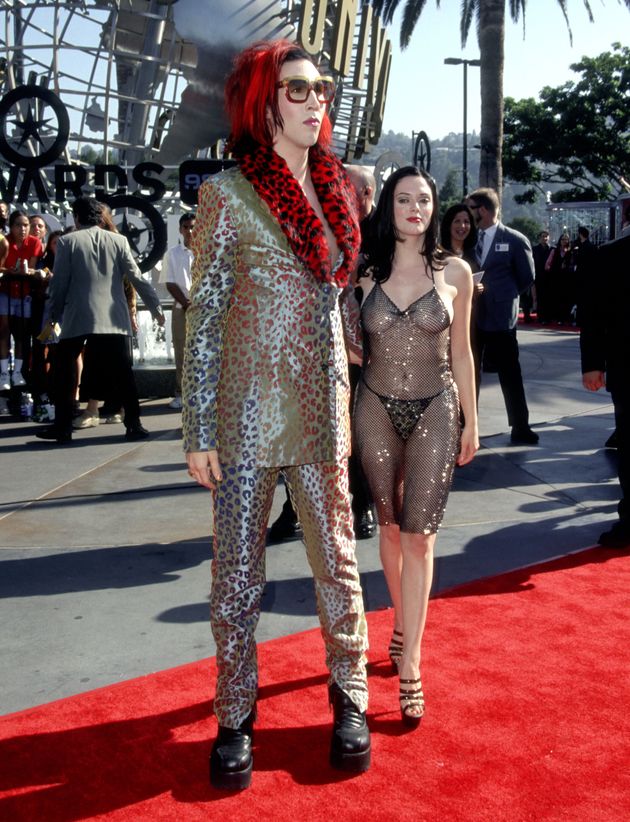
{"points": [[457, 61]]}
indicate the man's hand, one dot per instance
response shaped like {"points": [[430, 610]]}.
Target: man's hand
{"points": [[594, 380], [204, 468]]}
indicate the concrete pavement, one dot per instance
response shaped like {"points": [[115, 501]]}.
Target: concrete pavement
{"points": [[105, 545]]}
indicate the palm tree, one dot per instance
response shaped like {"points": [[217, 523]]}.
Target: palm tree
{"points": [[490, 16]]}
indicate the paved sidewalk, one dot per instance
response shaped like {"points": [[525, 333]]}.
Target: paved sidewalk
{"points": [[104, 544]]}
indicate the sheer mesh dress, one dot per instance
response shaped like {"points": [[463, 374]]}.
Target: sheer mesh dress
{"points": [[406, 416]]}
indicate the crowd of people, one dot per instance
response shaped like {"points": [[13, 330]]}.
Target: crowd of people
{"points": [[27, 255], [561, 279], [67, 311], [278, 289]]}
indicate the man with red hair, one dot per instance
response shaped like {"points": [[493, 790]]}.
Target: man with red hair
{"points": [[265, 386]]}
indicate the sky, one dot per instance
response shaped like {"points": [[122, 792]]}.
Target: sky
{"points": [[426, 95]]}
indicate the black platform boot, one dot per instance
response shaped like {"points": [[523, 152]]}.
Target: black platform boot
{"points": [[231, 758], [350, 744]]}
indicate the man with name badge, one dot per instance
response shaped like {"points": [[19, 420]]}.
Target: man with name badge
{"points": [[505, 256]]}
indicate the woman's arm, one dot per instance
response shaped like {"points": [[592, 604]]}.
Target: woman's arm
{"points": [[457, 273]]}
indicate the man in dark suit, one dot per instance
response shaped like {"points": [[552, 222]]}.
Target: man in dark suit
{"points": [[605, 351], [505, 257], [583, 257]]}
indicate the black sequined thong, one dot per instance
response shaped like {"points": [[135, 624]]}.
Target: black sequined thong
{"points": [[404, 414]]}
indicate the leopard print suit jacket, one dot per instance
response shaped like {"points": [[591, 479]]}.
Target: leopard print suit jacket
{"points": [[265, 374]]}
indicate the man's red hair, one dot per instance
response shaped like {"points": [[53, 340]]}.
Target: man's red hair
{"points": [[251, 96]]}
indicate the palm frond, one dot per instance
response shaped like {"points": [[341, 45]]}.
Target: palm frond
{"points": [[412, 11], [469, 9], [516, 7], [590, 12], [563, 7], [385, 9]]}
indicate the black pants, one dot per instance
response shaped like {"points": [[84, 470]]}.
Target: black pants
{"points": [[501, 349], [621, 401], [111, 351]]}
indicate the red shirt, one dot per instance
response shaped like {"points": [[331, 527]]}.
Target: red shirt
{"points": [[31, 247]]}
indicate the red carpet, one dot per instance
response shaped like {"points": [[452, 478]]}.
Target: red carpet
{"points": [[528, 702]]}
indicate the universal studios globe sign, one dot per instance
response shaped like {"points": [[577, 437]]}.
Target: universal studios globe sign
{"points": [[124, 100]]}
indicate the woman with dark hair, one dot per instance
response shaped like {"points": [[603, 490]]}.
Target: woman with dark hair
{"points": [[458, 234], [265, 385], [48, 258], [417, 376]]}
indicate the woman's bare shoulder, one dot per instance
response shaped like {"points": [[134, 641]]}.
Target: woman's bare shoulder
{"points": [[457, 271]]}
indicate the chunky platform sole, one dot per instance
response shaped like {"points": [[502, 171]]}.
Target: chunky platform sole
{"points": [[350, 762], [230, 780]]}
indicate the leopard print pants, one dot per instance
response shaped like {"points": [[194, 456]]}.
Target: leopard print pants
{"points": [[242, 503]]}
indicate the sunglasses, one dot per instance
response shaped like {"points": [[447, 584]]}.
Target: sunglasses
{"points": [[299, 88]]}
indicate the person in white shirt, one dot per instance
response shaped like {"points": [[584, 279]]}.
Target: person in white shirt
{"points": [[176, 275]]}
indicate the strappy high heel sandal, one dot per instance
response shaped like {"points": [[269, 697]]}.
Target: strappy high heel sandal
{"points": [[395, 650], [411, 702]]}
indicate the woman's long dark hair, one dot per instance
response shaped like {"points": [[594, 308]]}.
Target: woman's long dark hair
{"points": [[48, 259], [379, 245], [447, 221]]}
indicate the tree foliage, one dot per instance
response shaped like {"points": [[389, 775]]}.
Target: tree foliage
{"points": [[451, 192], [576, 135], [528, 226]]}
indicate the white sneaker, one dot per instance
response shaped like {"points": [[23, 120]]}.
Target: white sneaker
{"points": [[176, 404], [18, 379], [114, 419], [5, 381], [86, 421]]}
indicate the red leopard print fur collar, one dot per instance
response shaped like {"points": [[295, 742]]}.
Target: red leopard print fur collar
{"points": [[277, 187]]}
